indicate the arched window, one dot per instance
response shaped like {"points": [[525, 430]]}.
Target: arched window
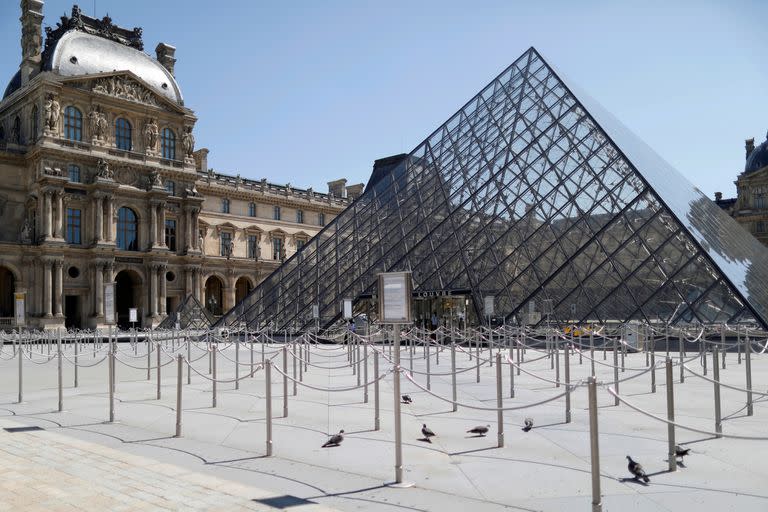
{"points": [[73, 124], [169, 144], [35, 124], [123, 134], [127, 230]]}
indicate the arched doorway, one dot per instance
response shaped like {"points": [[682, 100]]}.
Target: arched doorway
{"points": [[127, 295], [243, 287], [7, 286], [214, 295]]}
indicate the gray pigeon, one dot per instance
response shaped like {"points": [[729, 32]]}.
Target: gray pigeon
{"points": [[681, 452], [335, 440], [528, 424], [407, 399], [427, 433], [637, 470], [480, 430]]}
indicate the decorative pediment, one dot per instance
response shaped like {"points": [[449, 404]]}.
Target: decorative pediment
{"points": [[277, 233], [123, 85]]}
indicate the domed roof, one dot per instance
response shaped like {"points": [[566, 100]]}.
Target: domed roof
{"points": [[758, 158], [80, 53]]}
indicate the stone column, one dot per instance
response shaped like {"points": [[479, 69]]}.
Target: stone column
{"points": [[152, 224], [98, 217], [107, 223], [58, 295], [152, 271], [47, 287], [200, 285], [195, 229], [188, 234], [48, 214], [189, 281], [98, 274], [161, 224], [163, 290], [60, 218]]}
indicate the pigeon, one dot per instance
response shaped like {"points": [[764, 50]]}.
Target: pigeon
{"points": [[681, 452], [427, 433], [407, 399], [637, 470], [528, 424], [335, 440], [480, 430]]}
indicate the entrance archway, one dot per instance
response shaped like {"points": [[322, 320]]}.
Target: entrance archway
{"points": [[127, 294], [214, 295], [7, 286], [243, 287]]}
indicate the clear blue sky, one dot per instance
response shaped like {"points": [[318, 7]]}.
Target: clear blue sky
{"points": [[306, 92]]}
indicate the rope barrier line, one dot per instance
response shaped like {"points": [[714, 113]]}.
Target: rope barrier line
{"points": [[679, 425], [257, 367], [352, 388], [721, 383]]}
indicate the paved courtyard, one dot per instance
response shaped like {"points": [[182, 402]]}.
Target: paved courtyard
{"points": [[81, 461]]}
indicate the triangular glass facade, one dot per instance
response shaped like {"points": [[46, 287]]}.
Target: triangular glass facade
{"points": [[541, 200], [190, 314]]}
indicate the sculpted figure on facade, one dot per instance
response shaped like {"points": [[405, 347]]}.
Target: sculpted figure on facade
{"points": [[151, 133], [52, 112], [97, 121], [103, 171], [188, 142], [123, 88], [155, 181]]}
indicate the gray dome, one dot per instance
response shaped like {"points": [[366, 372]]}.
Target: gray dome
{"points": [[758, 158], [79, 53]]}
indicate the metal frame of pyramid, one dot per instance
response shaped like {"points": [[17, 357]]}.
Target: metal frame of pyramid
{"points": [[190, 314], [534, 194]]}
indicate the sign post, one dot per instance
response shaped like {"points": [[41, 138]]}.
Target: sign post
{"points": [[133, 316], [395, 308], [109, 303], [19, 309]]}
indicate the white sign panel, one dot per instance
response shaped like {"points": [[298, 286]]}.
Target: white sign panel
{"points": [[346, 308], [109, 303], [133, 314], [488, 305], [395, 298], [19, 309], [315, 311]]}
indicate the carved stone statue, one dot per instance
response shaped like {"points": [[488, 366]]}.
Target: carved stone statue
{"points": [[52, 112], [282, 252], [103, 171], [151, 133], [155, 180], [201, 245], [188, 142], [26, 232], [192, 191], [98, 124]]}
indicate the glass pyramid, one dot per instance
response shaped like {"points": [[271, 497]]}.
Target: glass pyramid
{"points": [[534, 194], [190, 314]]}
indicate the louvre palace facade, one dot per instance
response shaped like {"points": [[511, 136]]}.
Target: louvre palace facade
{"points": [[102, 183]]}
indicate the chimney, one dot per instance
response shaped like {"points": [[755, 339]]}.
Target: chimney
{"points": [[718, 196], [749, 145], [31, 38], [336, 188], [355, 191], [166, 55], [201, 159]]}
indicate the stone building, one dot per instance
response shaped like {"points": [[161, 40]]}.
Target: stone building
{"points": [[750, 206], [101, 184]]}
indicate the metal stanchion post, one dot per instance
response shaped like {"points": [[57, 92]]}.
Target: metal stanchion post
{"points": [[671, 451], [365, 372], [398, 431], [748, 367], [716, 372], [556, 355], [149, 360], [250, 343], [111, 369], [453, 376], [376, 418], [653, 367], [20, 353], [158, 369], [179, 376], [567, 361], [59, 368], [429, 376], [189, 359], [722, 343], [302, 358], [616, 370], [214, 349], [293, 356], [477, 357], [597, 504], [285, 381], [681, 348], [358, 362], [592, 351], [703, 350], [77, 348], [268, 384], [738, 344], [511, 371], [237, 362], [499, 404]]}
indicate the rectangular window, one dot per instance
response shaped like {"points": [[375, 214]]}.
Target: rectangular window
{"points": [[759, 201], [253, 246], [760, 226], [277, 248], [276, 213], [225, 206], [73, 226], [321, 219], [226, 243], [74, 173], [170, 234], [170, 187], [300, 216], [252, 209], [300, 244]]}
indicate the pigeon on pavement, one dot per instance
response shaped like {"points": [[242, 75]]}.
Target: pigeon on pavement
{"points": [[407, 399], [528, 424], [426, 432], [335, 439], [637, 470], [479, 430], [681, 452]]}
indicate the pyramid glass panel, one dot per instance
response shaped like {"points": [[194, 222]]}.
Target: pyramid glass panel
{"points": [[536, 195]]}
